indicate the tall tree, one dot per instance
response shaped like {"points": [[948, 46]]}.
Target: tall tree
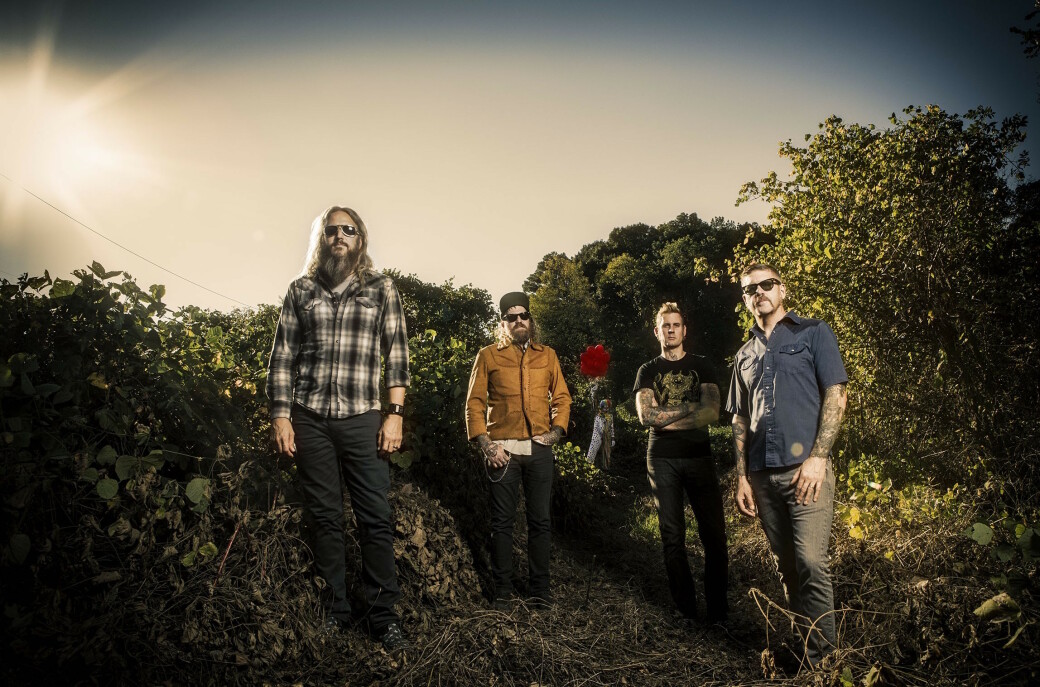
{"points": [[904, 239], [565, 312]]}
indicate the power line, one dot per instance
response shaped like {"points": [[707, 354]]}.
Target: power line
{"points": [[116, 243]]}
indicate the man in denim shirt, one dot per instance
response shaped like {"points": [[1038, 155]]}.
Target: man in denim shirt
{"points": [[338, 319], [787, 396]]}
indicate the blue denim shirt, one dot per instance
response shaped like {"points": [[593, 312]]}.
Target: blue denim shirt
{"points": [[779, 383]]}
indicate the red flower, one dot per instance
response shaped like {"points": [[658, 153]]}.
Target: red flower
{"points": [[594, 361]]}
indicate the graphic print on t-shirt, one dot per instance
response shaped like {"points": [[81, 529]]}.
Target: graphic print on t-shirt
{"points": [[675, 387]]}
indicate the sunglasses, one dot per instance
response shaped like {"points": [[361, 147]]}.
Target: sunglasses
{"points": [[333, 229], [766, 284], [525, 316]]}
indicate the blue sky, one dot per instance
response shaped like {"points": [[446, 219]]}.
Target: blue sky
{"points": [[473, 137]]}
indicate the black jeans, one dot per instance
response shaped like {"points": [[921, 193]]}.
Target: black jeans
{"points": [[329, 452], [536, 472], [670, 479]]}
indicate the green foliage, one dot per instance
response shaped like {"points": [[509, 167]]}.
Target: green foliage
{"points": [[1008, 539], [872, 509], [906, 240], [434, 425], [565, 312], [571, 461], [609, 293], [109, 402], [465, 313]]}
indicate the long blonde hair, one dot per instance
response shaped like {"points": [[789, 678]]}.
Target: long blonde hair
{"points": [[318, 249]]}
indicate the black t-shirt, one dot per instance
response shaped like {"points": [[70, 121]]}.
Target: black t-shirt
{"points": [[675, 382]]}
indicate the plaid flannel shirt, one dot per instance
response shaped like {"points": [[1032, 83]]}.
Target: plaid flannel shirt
{"points": [[327, 348]]}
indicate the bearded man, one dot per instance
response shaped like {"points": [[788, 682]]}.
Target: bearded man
{"points": [[338, 318], [517, 407]]}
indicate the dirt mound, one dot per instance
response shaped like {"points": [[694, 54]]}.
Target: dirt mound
{"points": [[128, 593]]}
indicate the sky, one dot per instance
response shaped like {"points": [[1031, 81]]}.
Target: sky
{"points": [[472, 137]]}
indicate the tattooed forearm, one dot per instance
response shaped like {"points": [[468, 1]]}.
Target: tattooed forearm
{"points": [[707, 411], [833, 410], [487, 447], [651, 415], [740, 435]]}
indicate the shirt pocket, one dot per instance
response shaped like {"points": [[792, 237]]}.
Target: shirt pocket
{"points": [[365, 311], [313, 315], [504, 381], [795, 358], [539, 377], [750, 370]]}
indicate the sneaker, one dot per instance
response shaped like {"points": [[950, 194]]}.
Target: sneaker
{"points": [[392, 638], [330, 626]]}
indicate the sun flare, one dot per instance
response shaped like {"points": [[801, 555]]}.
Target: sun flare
{"points": [[55, 139]]}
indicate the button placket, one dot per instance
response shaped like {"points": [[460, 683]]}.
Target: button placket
{"points": [[336, 319]]}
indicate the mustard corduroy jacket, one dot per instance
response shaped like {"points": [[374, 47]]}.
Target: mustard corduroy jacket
{"points": [[516, 394]]}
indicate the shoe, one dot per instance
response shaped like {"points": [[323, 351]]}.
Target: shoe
{"points": [[504, 604], [393, 638], [331, 626], [689, 613], [539, 603]]}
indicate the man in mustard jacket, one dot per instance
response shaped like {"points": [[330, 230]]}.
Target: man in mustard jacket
{"points": [[517, 407]]}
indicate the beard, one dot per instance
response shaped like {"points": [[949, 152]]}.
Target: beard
{"points": [[334, 269], [520, 336]]}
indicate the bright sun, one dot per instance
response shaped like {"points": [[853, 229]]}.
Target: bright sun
{"points": [[52, 143]]}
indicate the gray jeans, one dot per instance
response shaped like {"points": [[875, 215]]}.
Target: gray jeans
{"points": [[799, 536]]}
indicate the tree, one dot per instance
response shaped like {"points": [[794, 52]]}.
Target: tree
{"points": [[463, 312], [565, 311], [904, 240]]}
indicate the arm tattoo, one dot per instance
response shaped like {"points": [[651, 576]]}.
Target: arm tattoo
{"points": [[830, 420], [651, 415], [486, 446], [707, 410], [740, 431]]}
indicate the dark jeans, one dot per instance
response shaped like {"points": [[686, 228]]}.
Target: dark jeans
{"points": [[799, 536], [670, 479], [536, 472], [329, 452]]}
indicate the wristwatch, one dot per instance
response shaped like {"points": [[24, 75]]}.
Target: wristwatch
{"points": [[395, 409]]}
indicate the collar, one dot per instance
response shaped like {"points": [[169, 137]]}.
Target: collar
{"points": [[530, 344], [354, 284], [789, 315]]}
